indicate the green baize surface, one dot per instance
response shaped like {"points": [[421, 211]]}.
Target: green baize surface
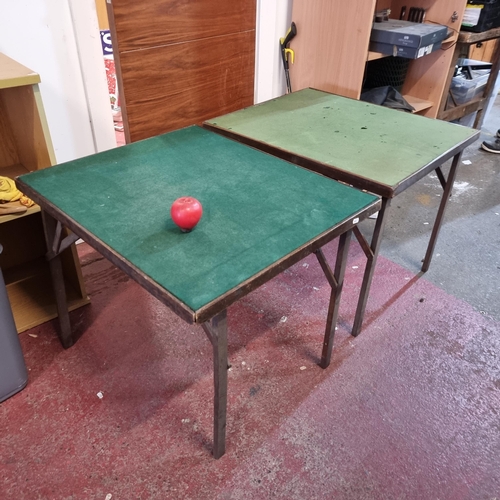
{"points": [[370, 141], [256, 208]]}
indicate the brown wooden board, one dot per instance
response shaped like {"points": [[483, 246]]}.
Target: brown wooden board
{"points": [[178, 85], [27, 126], [331, 45], [150, 23], [178, 63]]}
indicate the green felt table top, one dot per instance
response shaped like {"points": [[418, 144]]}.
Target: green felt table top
{"points": [[257, 208], [369, 141]]}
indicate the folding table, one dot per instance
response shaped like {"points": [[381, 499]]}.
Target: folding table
{"points": [[261, 215], [370, 147]]}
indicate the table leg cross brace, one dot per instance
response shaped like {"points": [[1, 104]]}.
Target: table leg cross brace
{"points": [[441, 177], [363, 243], [60, 244]]}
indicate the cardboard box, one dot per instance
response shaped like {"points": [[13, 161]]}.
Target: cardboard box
{"points": [[408, 34], [406, 52]]}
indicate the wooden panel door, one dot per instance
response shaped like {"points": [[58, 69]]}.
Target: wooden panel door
{"points": [[181, 62], [331, 45]]}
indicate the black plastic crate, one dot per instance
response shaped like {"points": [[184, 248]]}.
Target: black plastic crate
{"points": [[388, 71], [489, 17]]}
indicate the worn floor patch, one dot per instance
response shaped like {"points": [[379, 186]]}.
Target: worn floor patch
{"points": [[408, 409]]}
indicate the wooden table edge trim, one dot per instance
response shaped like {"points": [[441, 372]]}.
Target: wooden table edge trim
{"points": [[433, 165], [210, 310], [222, 302], [340, 175]]}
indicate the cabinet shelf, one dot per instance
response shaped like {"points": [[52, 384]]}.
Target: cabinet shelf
{"points": [[32, 300], [332, 54], [419, 104], [8, 217], [373, 56], [25, 146]]}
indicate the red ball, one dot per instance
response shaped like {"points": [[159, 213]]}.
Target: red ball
{"points": [[186, 212]]}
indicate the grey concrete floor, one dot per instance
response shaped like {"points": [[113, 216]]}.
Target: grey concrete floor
{"points": [[466, 261]]}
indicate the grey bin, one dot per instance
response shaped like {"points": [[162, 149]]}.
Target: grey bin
{"points": [[13, 373]]}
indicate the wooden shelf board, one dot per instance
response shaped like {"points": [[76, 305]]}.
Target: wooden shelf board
{"points": [[8, 217], [469, 37], [419, 104], [31, 295], [449, 42], [456, 112], [13, 74], [372, 56]]}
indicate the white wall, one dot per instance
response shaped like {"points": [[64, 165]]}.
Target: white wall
{"points": [[42, 35], [59, 39], [273, 22]]}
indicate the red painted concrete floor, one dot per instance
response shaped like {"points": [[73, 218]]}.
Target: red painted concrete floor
{"points": [[407, 410]]}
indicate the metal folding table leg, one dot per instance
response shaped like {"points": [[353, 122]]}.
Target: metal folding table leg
{"points": [[336, 280], [442, 207], [216, 331], [371, 253], [53, 231]]}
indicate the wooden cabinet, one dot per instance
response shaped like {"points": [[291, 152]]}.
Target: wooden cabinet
{"points": [[332, 48], [25, 145]]}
